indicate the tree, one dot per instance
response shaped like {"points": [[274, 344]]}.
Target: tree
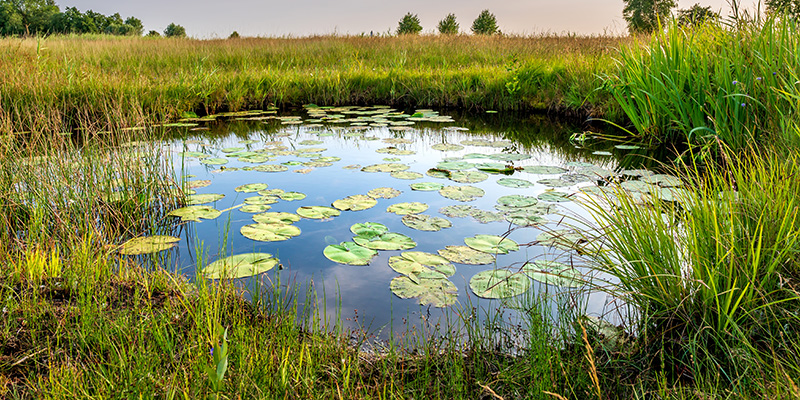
{"points": [[153, 34], [643, 16], [695, 15], [175, 30], [234, 35], [789, 7], [485, 24], [136, 26], [409, 25], [19, 17], [448, 26]]}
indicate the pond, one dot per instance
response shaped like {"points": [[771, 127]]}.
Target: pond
{"points": [[391, 217]]}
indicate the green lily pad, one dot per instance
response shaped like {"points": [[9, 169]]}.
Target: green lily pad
{"points": [[426, 186], [509, 157], [562, 238], [387, 241], [544, 170], [195, 213], [447, 147], [232, 149], [310, 142], [517, 201], [270, 232], [352, 166], [663, 180], [317, 212], [454, 165], [434, 292], [271, 168], [554, 273], [395, 151], [491, 244], [388, 167], [637, 186], [384, 193], [292, 196], [214, 161], [198, 183], [554, 197], [256, 158], [525, 218], [462, 193], [409, 175], [577, 178], [486, 217], [494, 167], [671, 194], [260, 200], [637, 172], [514, 183], [148, 244], [466, 255], [349, 253], [369, 230], [356, 202], [240, 265], [197, 199], [255, 208], [468, 176], [554, 183], [407, 208], [276, 218], [417, 263], [271, 192], [438, 173], [426, 222], [499, 284], [251, 187], [316, 164], [311, 150], [458, 211]]}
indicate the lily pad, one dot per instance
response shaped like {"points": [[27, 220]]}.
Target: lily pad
{"points": [[409, 175], [276, 218], [468, 176], [387, 241], [198, 183], [663, 180], [438, 173], [514, 183], [384, 193], [562, 238], [349, 253], [260, 200], [407, 208], [462, 193], [292, 196], [486, 217], [416, 263], [388, 167], [240, 265], [214, 161], [424, 222], [197, 199], [458, 211], [517, 201], [317, 212], [369, 230], [525, 217], [494, 167], [232, 149], [466, 255], [554, 273], [251, 187], [554, 183], [426, 186], [148, 244], [491, 244], [195, 213], [447, 147], [544, 170], [434, 292], [499, 284], [271, 168], [255, 208], [271, 192], [356, 202], [554, 197], [454, 165], [270, 232]]}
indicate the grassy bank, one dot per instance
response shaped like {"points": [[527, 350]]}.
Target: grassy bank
{"points": [[59, 83]]}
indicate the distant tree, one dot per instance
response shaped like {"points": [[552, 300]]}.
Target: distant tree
{"points": [[409, 25], [789, 7], [485, 24], [643, 16], [696, 15], [175, 30], [448, 26], [136, 26], [153, 34], [234, 35], [19, 17]]}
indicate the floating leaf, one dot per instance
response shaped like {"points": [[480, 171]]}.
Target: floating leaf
{"points": [[271, 168], [416, 263], [239, 266], [356, 202], [148, 244], [544, 170], [454, 165], [232, 149], [554, 197], [561, 238], [434, 292], [349, 253], [466, 255], [369, 230], [486, 217], [447, 147], [514, 183], [271, 192], [458, 211], [387, 241], [260, 200], [409, 175], [276, 218], [517, 201], [197, 199], [499, 284], [637, 186], [553, 273], [270, 232], [255, 208], [407, 208], [663, 180], [317, 212], [199, 183], [525, 218], [554, 183], [395, 151], [462, 193], [214, 161], [383, 193], [426, 222], [509, 157], [389, 167], [491, 244], [292, 196], [195, 213], [352, 166], [494, 167], [637, 172], [468, 176], [426, 186], [251, 187]]}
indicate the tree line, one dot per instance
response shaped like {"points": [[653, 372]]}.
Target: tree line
{"points": [[44, 17], [484, 24]]}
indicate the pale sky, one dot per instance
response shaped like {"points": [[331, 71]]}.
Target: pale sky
{"points": [[212, 19]]}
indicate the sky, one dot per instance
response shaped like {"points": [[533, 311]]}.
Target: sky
{"points": [[217, 19]]}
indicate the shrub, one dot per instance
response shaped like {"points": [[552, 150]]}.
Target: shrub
{"points": [[448, 25], [485, 24], [175, 30], [409, 25]]}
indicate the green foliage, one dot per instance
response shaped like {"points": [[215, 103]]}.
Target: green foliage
{"points": [[409, 25], [484, 24], [153, 34], [26, 17], [644, 16], [790, 8], [696, 15], [448, 25], [234, 35], [174, 31], [23, 17]]}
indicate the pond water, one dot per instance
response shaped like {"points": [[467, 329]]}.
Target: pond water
{"points": [[510, 177]]}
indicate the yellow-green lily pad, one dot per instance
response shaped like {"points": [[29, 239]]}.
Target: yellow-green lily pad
{"points": [[317, 212], [466, 255], [239, 266], [356, 202], [349, 253], [195, 213], [270, 232], [148, 244], [407, 208], [462, 193], [387, 241], [424, 222], [384, 193], [499, 284]]}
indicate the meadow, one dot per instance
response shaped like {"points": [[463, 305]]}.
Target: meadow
{"points": [[711, 282]]}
